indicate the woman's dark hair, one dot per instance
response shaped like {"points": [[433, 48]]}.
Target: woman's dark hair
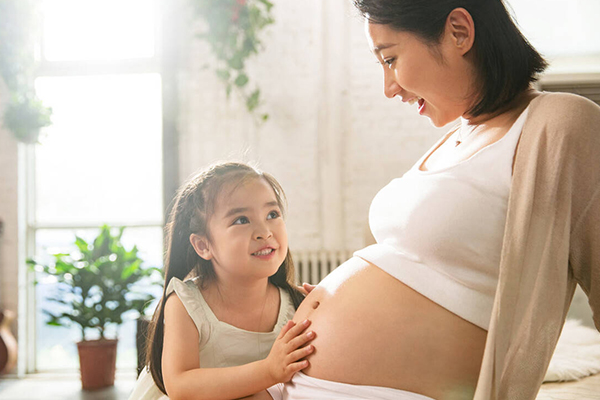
{"points": [[506, 63], [193, 205]]}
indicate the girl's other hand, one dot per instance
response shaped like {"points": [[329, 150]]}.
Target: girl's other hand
{"points": [[285, 358], [306, 288]]}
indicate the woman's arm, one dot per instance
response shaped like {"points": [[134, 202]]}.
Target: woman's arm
{"points": [[185, 380]]}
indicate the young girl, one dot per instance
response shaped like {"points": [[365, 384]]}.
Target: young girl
{"points": [[227, 333]]}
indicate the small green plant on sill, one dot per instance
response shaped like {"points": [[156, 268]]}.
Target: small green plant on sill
{"points": [[24, 114], [233, 28], [97, 283]]}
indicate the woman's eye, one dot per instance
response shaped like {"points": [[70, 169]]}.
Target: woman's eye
{"points": [[273, 215], [241, 221], [389, 62]]}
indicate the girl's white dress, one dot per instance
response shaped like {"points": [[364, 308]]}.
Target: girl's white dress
{"points": [[221, 344]]}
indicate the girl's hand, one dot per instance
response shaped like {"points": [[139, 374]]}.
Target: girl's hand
{"points": [[285, 358], [306, 288]]}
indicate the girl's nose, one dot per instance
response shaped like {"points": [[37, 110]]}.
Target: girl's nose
{"points": [[262, 232], [390, 87]]}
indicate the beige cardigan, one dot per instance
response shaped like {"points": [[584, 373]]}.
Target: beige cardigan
{"points": [[551, 243]]}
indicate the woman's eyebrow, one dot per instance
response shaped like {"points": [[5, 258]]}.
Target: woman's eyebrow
{"points": [[383, 46]]}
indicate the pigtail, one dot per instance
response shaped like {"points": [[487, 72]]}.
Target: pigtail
{"points": [[180, 259], [285, 278]]}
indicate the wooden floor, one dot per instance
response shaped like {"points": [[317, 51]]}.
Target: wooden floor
{"points": [[63, 387], [68, 387]]}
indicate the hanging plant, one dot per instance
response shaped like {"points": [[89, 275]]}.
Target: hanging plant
{"points": [[232, 31], [24, 114]]}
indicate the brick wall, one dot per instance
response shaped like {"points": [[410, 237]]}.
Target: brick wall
{"points": [[8, 214], [333, 139]]}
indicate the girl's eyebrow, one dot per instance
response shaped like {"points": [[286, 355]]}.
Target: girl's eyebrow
{"points": [[234, 211], [241, 210]]}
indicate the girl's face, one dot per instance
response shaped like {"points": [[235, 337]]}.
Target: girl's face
{"points": [[438, 80], [248, 238]]}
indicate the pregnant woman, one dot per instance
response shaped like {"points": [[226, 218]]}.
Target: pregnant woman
{"points": [[480, 245]]}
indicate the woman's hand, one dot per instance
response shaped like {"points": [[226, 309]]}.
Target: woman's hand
{"points": [[306, 288], [285, 358]]}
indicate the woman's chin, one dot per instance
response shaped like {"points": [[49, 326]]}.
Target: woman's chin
{"points": [[439, 122]]}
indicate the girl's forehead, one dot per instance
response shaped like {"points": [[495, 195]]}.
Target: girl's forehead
{"points": [[245, 192]]}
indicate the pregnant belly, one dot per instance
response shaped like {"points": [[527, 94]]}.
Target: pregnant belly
{"points": [[374, 330]]}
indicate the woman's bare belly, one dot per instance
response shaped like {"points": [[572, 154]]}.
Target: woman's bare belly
{"points": [[374, 330]]}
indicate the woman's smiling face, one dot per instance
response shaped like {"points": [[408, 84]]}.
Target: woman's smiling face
{"points": [[438, 78]]}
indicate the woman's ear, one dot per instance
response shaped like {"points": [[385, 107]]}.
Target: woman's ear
{"points": [[461, 29], [200, 244]]}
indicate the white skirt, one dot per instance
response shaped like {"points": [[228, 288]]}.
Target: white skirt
{"points": [[146, 389], [304, 387]]}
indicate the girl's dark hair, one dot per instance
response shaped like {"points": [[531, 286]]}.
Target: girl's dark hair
{"points": [[193, 204], [505, 62]]}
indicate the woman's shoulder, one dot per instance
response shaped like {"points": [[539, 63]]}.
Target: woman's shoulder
{"points": [[565, 107], [563, 116]]}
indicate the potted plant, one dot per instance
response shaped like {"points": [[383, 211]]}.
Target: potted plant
{"points": [[23, 114], [97, 283]]}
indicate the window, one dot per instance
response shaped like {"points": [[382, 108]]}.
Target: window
{"points": [[560, 28], [101, 160]]}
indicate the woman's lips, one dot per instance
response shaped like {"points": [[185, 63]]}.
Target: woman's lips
{"points": [[421, 106], [414, 100]]}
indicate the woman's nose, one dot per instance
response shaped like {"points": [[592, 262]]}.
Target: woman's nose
{"points": [[390, 87]]}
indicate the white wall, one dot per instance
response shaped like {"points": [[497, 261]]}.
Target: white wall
{"points": [[333, 139]]}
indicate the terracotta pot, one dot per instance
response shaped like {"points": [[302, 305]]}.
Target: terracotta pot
{"points": [[97, 362]]}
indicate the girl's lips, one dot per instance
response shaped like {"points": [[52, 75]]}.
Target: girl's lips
{"points": [[264, 253]]}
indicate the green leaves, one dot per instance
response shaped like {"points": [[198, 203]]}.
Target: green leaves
{"points": [[241, 80], [98, 283], [24, 114], [232, 31], [253, 101]]}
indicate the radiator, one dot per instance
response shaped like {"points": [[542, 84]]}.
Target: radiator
{"points": [[313, 266]]}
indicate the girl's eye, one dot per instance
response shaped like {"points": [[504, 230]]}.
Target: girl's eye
{"points": [[389, 62], [241, 221], [273, 215]]}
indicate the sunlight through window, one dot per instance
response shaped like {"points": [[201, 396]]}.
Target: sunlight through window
{"points": [[98, 30]]}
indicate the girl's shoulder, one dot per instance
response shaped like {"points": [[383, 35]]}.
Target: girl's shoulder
{"points": [[189, 286], [188, 292]]}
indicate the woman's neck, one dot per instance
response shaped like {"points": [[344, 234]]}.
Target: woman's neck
{"points": [[507, 115]]}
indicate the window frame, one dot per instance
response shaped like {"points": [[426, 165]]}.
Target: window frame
{"points": [[28, 227]]}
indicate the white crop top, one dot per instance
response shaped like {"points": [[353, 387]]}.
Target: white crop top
{"points": [[440, 232]]}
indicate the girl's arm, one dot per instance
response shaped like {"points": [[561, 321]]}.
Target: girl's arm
{"points": [[185, 380]]}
